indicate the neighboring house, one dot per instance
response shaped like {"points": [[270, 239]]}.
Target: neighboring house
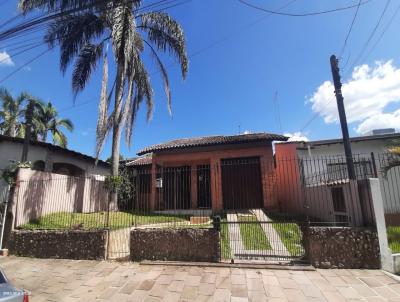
{"points": [[50, 158], [57, 181], [213, 172], [327, 157]]}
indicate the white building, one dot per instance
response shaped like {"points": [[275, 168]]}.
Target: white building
{"points": [[50, 158], [370, 154]]}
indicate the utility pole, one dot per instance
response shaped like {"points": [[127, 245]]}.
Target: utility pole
{"points": [[342, 116], [28, 130]]}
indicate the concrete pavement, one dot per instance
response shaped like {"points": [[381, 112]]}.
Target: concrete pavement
{"points": [[68, 280]]}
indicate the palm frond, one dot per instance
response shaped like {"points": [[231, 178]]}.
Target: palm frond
{"points": [[66, 123], [73, 32], [164, 76], [59, 139], [64, 5], [166, 34], [84, 65]]}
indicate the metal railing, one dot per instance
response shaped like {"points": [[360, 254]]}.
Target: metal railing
{"points": [[260, 205]]}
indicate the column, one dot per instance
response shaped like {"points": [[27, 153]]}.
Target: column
{"points": [[193, 186]]}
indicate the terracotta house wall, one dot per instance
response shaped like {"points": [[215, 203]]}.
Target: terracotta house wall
{"points": [[213, 157], [290, 195]]}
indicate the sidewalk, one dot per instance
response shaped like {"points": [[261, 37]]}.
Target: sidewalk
{"points": [[68, 280]]}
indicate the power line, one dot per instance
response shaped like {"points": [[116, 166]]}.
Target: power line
{"points": [[350, 29], [32, 46], [24, 65], [383, 33], [314, 116], [201, 50], [303, 14], [370, 36]]}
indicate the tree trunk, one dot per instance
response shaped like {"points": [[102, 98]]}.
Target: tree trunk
{"points": [[116, 138]]}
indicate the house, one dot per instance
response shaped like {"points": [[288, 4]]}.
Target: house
{"points": [[57, 182], [327, 157], [213, 172], [49, 158]]}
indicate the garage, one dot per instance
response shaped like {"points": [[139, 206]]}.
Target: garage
{"points": [[241, 183]]}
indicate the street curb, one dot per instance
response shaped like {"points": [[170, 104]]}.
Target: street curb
{"points": [[232, 265]]}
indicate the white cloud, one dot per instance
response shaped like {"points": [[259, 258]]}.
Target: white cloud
{"points": [[5, 59], [380, 121], [247, 132], [366, 94], [297, 137]]}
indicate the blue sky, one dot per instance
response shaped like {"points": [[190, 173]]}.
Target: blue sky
{"points": [[246, 56]]}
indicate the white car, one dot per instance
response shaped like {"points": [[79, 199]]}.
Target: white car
{"points": [[9, 293]]}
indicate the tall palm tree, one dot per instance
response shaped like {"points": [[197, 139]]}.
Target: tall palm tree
{"points": [[83, 34], [12, 113], [46, 120]]}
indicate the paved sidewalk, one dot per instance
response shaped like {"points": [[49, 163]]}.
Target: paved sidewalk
{"points": [[67, 280]]}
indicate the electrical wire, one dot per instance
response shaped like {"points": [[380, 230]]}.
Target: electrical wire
{"points": [[350, 29], [383, 33], [364, 48], [201, 50], [303, 14]]}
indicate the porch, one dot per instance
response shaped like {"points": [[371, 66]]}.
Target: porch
{"points": [[214, 184]]}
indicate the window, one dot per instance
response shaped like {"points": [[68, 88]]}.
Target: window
{"points": [[338, 171], [339, 202], [38, 165]]}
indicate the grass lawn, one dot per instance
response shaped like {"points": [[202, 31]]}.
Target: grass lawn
{"points": [[393, 234], [225, 246], [117, 220], [253, 236], [290, 235]]}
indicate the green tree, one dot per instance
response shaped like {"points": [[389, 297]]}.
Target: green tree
{"points": [[46, 120], [83, 34], [12, 113]]}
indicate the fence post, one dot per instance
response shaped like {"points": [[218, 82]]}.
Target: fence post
{"points": [[377, 204]]}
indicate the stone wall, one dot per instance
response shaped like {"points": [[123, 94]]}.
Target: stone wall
{"points": [[198, 245], [341, 247], [68, 244]]}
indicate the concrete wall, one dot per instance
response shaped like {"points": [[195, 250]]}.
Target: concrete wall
{"points": [[40, 193], [201, 245], [12, 151], [347, 248], [390, 185], [70, 244]]}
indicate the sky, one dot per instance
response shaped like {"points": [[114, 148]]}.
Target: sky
{"points": [[249, 72]]}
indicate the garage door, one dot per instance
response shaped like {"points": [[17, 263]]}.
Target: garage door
{"points": [[241, 183]]}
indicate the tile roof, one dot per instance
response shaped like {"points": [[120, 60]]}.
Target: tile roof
{"points": [[213, 141], [140, 161], [55, 149]]}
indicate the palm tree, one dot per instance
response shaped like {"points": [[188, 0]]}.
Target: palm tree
{"points": [[84, 33], [46, 120], [12, 112]]}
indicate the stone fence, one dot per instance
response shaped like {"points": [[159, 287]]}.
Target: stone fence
{"points": [[175, 245], [342, 247], [68, 244]]}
